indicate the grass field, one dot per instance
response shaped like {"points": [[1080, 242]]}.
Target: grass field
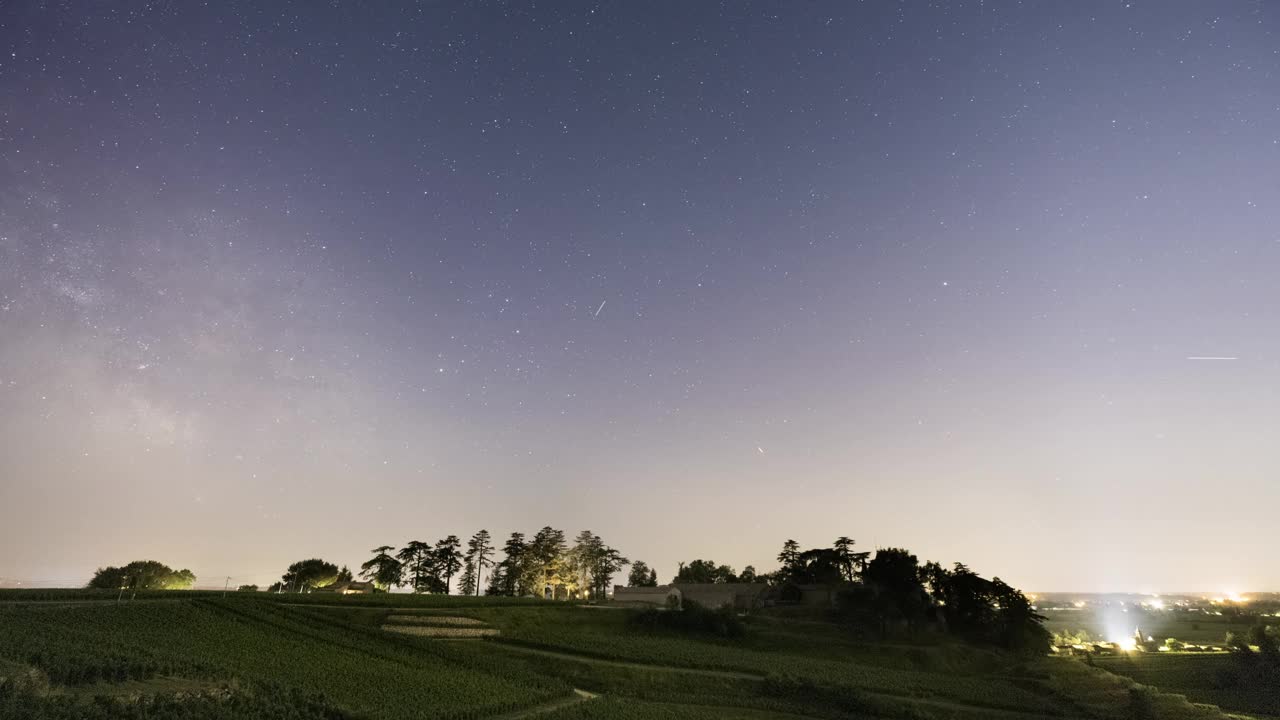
{"points": [[1103, 624], [1196, 675], [259, 656]]}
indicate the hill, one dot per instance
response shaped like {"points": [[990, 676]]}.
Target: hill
{"points": [[196, 655]]}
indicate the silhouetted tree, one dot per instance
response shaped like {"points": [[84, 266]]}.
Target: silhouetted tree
{"points": [[309, 574], [704, 571], [897, 593], [383, 570], [843, 547], [641, 575], [607, 563], [142, 575], [819, 565], [418, 562], [789, 556], [508, 574], [748, 575], [478, 549], [448, 559]]}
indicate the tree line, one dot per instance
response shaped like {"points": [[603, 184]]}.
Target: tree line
{"points": [[892, 590], [546, 565], [887, 590]]}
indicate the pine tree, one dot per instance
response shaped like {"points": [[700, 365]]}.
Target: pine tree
{"points": [[478, 549], [448, 560]]}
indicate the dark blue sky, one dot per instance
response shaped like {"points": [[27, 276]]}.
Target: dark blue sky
{"points": [[287, 279]]}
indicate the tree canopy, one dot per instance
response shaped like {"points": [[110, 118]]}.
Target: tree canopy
{"points": [[309, 575], [704, 571], [142, 575]]}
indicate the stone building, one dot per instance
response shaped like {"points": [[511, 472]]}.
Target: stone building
{"points": [[660, 596]]}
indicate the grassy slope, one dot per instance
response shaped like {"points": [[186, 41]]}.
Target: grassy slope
{"points": [[811, 669], [1196, 676], [361, 672]]}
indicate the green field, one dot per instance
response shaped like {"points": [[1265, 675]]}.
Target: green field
{"points": [[197, 655], [1104, 623], [1198, 676]]}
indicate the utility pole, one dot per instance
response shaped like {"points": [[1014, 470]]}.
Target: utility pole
{"points": [[226, 585]]}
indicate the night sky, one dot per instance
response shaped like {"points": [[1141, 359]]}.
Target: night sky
{"points": [[282, 280]]}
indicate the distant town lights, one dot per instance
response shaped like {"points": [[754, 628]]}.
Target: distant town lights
{"points": [[1125, 644]]}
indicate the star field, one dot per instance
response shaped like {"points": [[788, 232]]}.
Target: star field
{"points": [[293, 279]]}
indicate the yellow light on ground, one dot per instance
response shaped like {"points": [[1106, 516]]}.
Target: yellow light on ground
{"points": [[1156, 604], [1125, 644]]}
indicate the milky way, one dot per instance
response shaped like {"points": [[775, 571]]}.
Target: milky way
{"points": [[282, 280]]}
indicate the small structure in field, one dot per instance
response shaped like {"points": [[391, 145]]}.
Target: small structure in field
{"points": [[349, 588], [661, 596]]}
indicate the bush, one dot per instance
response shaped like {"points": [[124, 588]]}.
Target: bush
{"points": [[694, 619]]}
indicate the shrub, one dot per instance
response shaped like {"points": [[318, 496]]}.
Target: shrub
{"points": [[694, 619]]}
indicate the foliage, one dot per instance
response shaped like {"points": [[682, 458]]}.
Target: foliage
{"points": [[507, 574], [263, 701], [642, 575], [309, 575], [542, 567], [383, 570], [692, 619], [142, 575], [418, 560], [479, 548], [704, 571], [985, 611], [447, 560], [590, 566]]}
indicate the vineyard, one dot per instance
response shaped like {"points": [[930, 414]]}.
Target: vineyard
{"points": [[1197, 676], [199, 655]]}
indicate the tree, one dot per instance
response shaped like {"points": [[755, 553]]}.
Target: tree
{"points": [[897, 593], [309, 574], [344, 575], [508, 575], [817, 566], [844, 552], [1263, 637], [578, 563], [448, 559], [383, 570], [478, 547], [247, 588], [142, 575], [704, 571], [543, 570], [606, 563], [641, 575], [789, 556], [417, 560], [748, 574]]}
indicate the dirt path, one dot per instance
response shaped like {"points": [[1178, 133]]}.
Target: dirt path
{"points": [[705, 672], [578, 696]]}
